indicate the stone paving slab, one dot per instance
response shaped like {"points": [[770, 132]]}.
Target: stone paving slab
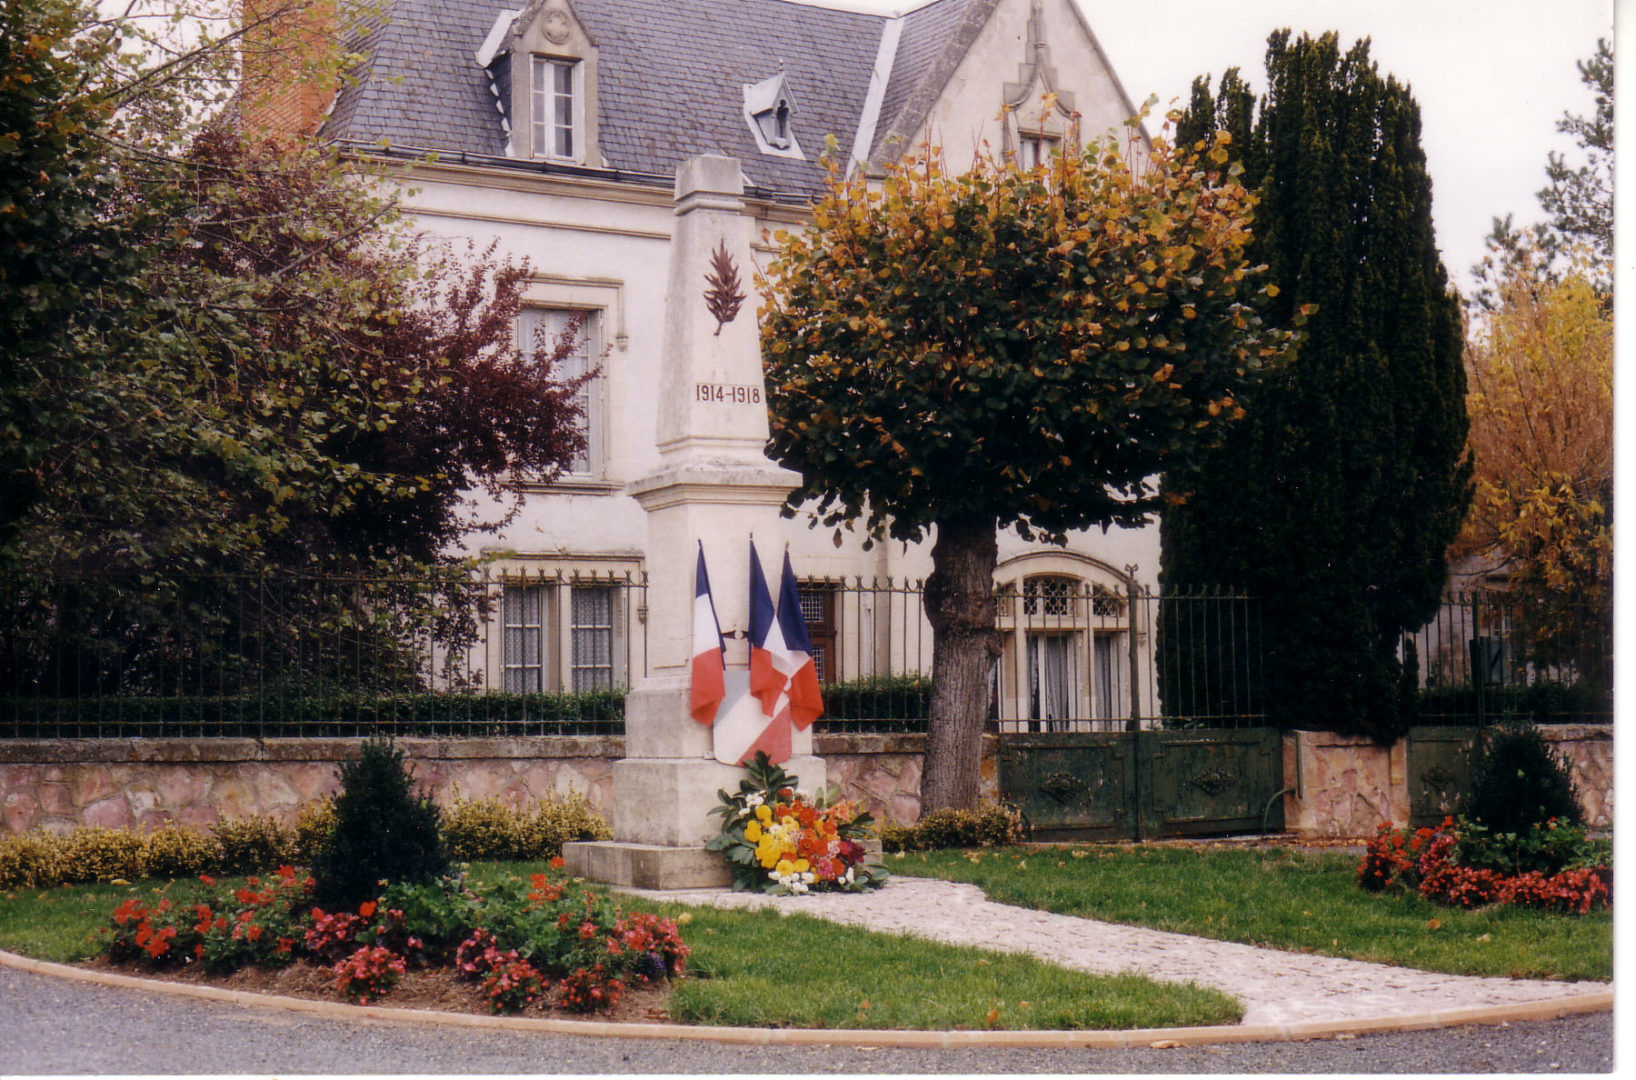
{"points": [[1276, 987]]}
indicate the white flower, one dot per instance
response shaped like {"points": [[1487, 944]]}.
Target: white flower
{"points": [[849, 875], [774, 875], [753, 800]]}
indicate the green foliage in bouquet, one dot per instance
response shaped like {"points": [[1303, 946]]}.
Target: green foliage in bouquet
{"points": [[778, 839]]}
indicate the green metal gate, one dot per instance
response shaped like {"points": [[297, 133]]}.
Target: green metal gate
{"points": [[1144, 785], [1438, 761]]}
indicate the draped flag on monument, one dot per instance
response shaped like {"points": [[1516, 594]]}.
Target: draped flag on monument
{"points": [[767, 676], [708, 682], [806, 702], [769, 728]]}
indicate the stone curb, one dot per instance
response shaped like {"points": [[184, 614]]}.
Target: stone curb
{"points": [[1137, 1038]]}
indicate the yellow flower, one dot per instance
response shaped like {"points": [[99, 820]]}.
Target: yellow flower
{"points": [[764, 813], [802, 866], [752, 831], [785, 868]]}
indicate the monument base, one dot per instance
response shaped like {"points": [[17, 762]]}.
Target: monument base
{"points": [[646, 866]]}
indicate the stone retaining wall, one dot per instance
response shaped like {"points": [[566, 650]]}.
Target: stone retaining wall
{"points": [[1347, 785], [56, 785]]}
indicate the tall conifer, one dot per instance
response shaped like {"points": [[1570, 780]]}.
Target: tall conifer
{"points": [[1338, 495]]}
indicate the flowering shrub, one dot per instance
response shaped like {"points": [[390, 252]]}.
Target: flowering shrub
{"points": [[368, 973], [476, 954], [221, 930], [514, 936], [650, 945], [1574, 892], [511, 984], [776, 839], [332, 937], [590, 989], [1464, 865]]}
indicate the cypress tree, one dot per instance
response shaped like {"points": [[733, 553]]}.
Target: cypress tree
{"points": [[1335, 499]]}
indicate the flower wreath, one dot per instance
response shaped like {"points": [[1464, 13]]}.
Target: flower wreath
{"points": [[778, 839]]}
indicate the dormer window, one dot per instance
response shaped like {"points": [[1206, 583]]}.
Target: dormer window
{"points": [[542, 68], [770, 110], [555, 108]]}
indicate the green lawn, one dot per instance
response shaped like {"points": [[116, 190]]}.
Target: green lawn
{"points": [[762, 969], [1281, 898]]}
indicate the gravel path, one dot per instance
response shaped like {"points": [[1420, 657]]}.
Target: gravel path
{"points": [[1276, 987]]}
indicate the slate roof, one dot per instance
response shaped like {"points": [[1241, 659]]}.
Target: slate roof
{"points": [[670, 79]]}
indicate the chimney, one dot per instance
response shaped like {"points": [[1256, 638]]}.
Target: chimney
{"points": [[291, 55]]}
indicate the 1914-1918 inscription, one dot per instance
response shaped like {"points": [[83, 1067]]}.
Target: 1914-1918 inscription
{"points": [[727, 393]]}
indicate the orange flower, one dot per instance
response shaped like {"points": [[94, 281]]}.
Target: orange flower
{"points": [[367, 908]]}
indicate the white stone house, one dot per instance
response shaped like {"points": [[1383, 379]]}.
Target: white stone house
{"points": [[558, 129]]}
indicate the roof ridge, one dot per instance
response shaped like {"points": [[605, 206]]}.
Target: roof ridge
{"points": [[911, 114]]}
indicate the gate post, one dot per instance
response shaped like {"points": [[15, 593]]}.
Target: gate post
{"points": [[1133, 726]]}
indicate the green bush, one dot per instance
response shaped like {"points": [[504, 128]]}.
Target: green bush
{"points": [[98, 854], [176, 851], [314, 823], [1546, 848], [253, 845], [990, 825], [1541, 702], [880, 697], [1518, 781], [31, 860], [384, 830], [492, 829]]}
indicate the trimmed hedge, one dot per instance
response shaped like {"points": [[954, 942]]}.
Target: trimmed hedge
{"points": [[597, 712], [472, 830], [878, 703], [1541, 702]]}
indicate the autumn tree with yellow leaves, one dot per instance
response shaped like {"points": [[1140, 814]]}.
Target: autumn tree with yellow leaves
{"points": [[953, 354], [1540, 371]]}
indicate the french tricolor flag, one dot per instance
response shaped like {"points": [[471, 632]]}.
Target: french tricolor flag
{"points": [[767, 676], [806, 703], [768, 679], [708, 684]]}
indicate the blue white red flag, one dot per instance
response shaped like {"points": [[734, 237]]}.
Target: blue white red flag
{"points": [[806, 702], [767, 663], [760, 721], [708, 678]]}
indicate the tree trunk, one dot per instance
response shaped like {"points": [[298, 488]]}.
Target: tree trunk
{"points": [[960, 608]]}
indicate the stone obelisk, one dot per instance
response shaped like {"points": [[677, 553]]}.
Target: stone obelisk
{"points": [[715, 487]]}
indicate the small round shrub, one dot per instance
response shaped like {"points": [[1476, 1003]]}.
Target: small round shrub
{"points": [[96, 854], [176, 851], [990, 825], [32, 860], [476, 829], [313, 824], [1518, 781], [481, 829], [253, 844], [384, 831]]}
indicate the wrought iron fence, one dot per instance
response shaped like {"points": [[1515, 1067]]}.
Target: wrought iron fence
{"points": [[1075, 656], [264, 655]]}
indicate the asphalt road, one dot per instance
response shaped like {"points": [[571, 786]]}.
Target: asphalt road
{"points": [[50, 1025]]}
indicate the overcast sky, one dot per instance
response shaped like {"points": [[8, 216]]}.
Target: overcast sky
{"points": [[1491, 76]]}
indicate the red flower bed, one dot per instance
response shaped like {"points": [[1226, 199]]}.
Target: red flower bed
{"points": [[1429, 861]]}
